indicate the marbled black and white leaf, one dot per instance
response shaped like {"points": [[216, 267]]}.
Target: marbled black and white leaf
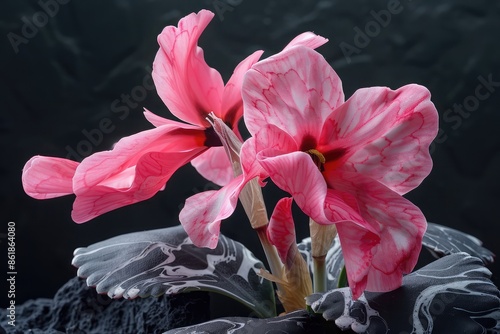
{"points": [[298, 322], [451, 295], [442, 240], [165, 261], [438, 239]]}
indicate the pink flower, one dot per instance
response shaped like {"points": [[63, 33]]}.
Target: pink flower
{"points": [[140, 165], [348, 162], [191, 89]]}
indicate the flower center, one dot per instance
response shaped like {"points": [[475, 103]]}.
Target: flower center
{"points": [[211, 138], [318, 158]]}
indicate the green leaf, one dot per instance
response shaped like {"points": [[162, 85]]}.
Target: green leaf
{"points": [[165, 261], [343, 282]]}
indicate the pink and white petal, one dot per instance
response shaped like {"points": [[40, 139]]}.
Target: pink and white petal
{"points": [[272, 137], [343, 207], [358, 238], [47, 177], [399, 155], [281, 230], [137, 184], [307, 39], [249, 163], [128, 151], [214, 166], [358, 247], [203, 212], [232, 104], [295, 89], [400, 225], [185, 83], [385, 134], [297, 174]]}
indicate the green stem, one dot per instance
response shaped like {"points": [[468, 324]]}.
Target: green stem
{"points": [[319, 274], [272, 257]]}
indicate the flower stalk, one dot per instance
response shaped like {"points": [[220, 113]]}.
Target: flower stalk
{"points": [[251, 195], [321, 238]]}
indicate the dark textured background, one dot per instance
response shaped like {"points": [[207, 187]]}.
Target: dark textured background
{"points": [[69, 73]]}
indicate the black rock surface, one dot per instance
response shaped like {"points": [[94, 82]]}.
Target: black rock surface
{"points": [[78, 309]]}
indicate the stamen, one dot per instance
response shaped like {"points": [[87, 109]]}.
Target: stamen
{"points": [[318, 158], [211, 118], [318, 154]]}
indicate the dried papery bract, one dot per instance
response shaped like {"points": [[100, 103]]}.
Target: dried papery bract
{"points": [[321, 240], [295, 284]]}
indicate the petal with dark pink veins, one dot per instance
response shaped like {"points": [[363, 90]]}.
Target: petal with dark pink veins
{"points": [[135, 184], [295, 90], [214, 166], [399, 224], [186, 84], [47, 177], [281, 230], [387, 134]]}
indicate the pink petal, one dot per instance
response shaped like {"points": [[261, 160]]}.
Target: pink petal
{"points": [[295, 90], [232, 104], [358, 247], [136, 168], [400, 226], [214, 166], [297, 174], [186, 84], [46, 177], [308, 39], [387, 133], [109, 165], [203, 212], [155, 119], [357, 236], [137, 184], [342, 206], [159, 121], [281, 229], [272, 137]]}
